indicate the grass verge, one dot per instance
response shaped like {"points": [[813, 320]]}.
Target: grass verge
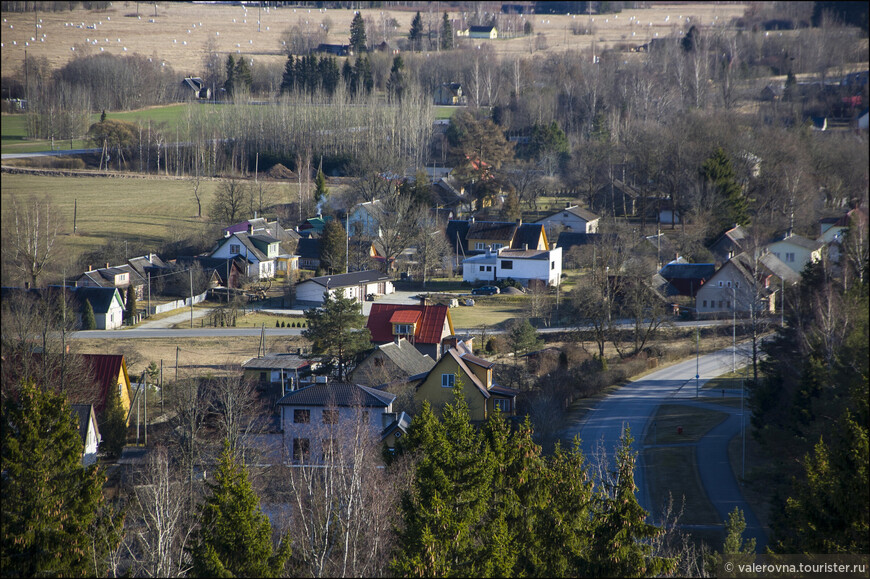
{"points": [[674, 471], [695, 422]]}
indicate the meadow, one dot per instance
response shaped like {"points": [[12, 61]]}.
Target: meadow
{"points": [[180, 34]]}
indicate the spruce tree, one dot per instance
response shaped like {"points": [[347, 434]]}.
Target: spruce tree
{"points": [[416, 33], [337, 332], [229, 84], [358, 34], [288, 79], [234, 538], [113, 427], [243, 78], [89, 321], [347, 76], [333, 247], [718, 175], [320, 188], [738, 549], [396, 81], [130, 309], [50, 501], [446, 33]]}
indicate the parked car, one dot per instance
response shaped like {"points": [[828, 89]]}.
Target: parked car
{"points": [[487, 290]]}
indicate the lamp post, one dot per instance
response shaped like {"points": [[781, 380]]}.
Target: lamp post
{"points": [[697, 360], [733, 329]]}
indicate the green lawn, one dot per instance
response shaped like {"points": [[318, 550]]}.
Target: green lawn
{"points": [[695, 422], [674, 473]]}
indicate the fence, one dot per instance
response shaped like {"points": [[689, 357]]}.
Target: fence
{"points": [[168, 307]]}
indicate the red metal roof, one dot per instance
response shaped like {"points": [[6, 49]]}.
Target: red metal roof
{"points": [[405, 317], [430, 322], [105, 368]]}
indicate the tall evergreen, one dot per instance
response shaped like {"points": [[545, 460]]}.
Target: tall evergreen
{"points": [[51, 503], [737, 548], [89, 321], [337, 332], [130, 309], [358, 34], [234, 538], [446, 33], [320, 188], [230, 83], [243, 78], [416, 33], [347, 75], [288, 79], [396, 81], [719, 177], [113, 427]]}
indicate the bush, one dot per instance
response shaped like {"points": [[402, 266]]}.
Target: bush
{"points": [[277, 324]]}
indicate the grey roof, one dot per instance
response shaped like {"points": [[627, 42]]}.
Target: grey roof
{"points": [[407, 357], [276, 362], [688, 270], [576, 210], [338, 394], [569, 239], [799, 241], [402, 422], [142, 263], [527, 234], [543, 254], [769, 262], [348, 279]]}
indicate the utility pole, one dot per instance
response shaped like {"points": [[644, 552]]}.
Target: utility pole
{"points": [[149, 293], [733, 330], [697, 360], [190, 276], [162, 409], [176, 364], [145, 375]]}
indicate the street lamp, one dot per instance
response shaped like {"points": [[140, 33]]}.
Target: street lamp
{"points": [[733, 329]]}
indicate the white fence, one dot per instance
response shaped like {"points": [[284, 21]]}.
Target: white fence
{"points": [[168, 307]]}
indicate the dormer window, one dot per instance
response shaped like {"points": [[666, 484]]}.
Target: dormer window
{"points": [[403, 329], [235, 248]]}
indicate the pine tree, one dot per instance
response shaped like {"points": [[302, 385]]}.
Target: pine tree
{"points": [[333, 247], [234, 537], [718, 174], [347, 76], [229, 84], [396, 81], [416, 33], [288, 79], [619, 544], [89, 321], [358, 34], [320, 188], [130, 311], [522, 337], [113, 427], [50, 501], [337, 332], [446, 33]]}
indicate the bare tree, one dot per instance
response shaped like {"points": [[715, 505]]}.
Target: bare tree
{"points": [[229, 201], [235, 402], [189, 410], [30, 231], [398, 219], [432, 247]]}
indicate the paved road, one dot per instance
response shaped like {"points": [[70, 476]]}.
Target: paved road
{"points": [[633, 406], [57, 153]]}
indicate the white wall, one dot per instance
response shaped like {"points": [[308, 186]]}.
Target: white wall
{"points": [[316, 431]]}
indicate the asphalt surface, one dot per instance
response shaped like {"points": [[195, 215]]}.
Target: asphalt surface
{"points": [[634, 405]]}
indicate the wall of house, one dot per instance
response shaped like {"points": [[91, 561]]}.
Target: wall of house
{"points": [[437, 395], [794, 256], [317, 432], [713, 298], [91, 445]]}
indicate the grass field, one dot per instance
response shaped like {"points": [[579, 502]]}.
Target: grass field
{"points": [[179, 32], [695, 422], [674, 472]]}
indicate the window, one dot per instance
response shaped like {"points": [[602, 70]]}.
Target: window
{"points": [[235, 248], [448, 380], [736, 284], [502, 404], [403, 329], [728, 304], [301, 416], [479, 245], [301, 449], [497, 246], [705, 303], [482, 268], [330, 416], [720, 304], [789, 257], [720, 283], [263, 379], [728, 283], [489, 268], [552, 265], [507, 264]]}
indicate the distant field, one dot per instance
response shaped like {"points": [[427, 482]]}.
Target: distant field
{"points": [[234, 29]]}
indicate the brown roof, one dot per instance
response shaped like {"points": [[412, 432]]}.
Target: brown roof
{"points": [[493, 230]]}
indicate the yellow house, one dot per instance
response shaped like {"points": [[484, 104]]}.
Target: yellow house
{"points": [[110, 374], [459, 365]]}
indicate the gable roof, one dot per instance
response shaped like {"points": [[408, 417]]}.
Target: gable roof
{"points": [[276, 362], [768, 263], [458, 357], [338, 394], [348, 279], [105, 369], [799, 241], [429, 327], [528, 234], [144, 263], [481, 28], [252, 253], [402, 422], [84, 415], [575, 210], [309, 248], [100, 298], [569, 239], [458, 229], [407, 357], [492, 230], [674, 270]]}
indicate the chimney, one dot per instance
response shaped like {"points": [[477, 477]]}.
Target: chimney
{"points": [[472, 219], [107, 265], [567, 205], [250, 228], [525, 247], [90, 268]]}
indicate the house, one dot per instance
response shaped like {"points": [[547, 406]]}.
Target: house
{"points": [[196, 88], [478, 236], [314, 226], [226, 273], [356, 285], [489, 32], [121, 277], [279, 373], [387, 46], [449, 198], [363, 253], [771, 93], [110, 374], [107, 303], [258, 250], [391, 363], [833, 228], [449, 94], [424, 326], [364, 219], [308, 249], [335, 49], [616, 198], [460, 366], [796, 251], [148, 264], [86, 422], [573, 218], [744, 283], [527, 266], [395, 430], [732, 242], [313, 417], [687, 278], [286, 261]]}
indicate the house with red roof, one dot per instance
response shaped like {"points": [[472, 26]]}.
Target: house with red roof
{"points": [[110, 373], [424, 326]]}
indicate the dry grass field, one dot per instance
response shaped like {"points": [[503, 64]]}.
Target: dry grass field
{"points": [[179, 33]]}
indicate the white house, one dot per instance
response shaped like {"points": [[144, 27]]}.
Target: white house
{"points": [[107, 304], [314, 418], [259, 251], [522, 265], [362, 220], [743, 283], [796, 251], [573, 218], [356, 285], [86, 422]]}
